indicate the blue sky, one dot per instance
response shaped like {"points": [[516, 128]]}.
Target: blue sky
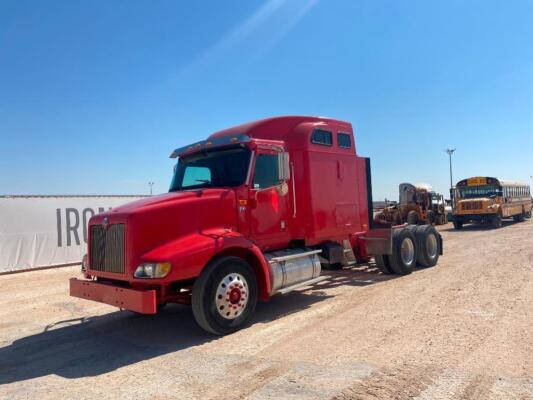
{"points": [[94, 95]]}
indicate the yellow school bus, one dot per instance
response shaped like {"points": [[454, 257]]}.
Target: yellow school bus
{"points": [[485, 199]]}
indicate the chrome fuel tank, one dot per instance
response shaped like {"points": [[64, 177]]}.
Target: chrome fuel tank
{"points": [[292, 266]]}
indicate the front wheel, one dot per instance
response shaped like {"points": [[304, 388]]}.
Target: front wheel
{"points": [[412, 218], [224, 296], [457, 223], [431, 217], [496, 221]]}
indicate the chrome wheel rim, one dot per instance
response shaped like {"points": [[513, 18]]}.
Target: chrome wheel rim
{"points": [[231, 296], [407, 251], [431, 246]]}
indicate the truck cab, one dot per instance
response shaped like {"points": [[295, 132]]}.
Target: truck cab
{"points": [[252, 211]]}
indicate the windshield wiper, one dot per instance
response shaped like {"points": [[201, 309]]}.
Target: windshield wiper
{"points": [[202, 180]]}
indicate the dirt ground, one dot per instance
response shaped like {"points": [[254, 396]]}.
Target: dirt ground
{"points": [[460, 330]]}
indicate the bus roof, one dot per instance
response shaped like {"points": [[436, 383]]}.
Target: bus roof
{"points": [[486, 180]]}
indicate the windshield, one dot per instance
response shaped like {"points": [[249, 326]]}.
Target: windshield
{"points": [[215, 168], [435, 199], [479, 191]]}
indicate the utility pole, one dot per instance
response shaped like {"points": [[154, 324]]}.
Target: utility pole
{"points": [[450, 153], [151, 184]]}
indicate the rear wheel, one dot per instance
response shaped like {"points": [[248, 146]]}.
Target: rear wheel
{"points": [[457, 223], [382, 262], [412, 218], [224, 296], [428, 246], [404, 252], [431, 217]]}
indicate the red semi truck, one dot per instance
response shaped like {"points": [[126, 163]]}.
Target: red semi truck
{"points": [[254, 211]]}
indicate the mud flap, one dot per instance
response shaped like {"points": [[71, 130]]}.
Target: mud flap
{"points": [[379, 241]]}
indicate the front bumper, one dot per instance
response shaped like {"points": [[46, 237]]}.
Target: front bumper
{"points": [[474, 217], [141, 301]]}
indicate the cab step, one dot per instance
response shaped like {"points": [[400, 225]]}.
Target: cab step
{"points": [[303, 284]]}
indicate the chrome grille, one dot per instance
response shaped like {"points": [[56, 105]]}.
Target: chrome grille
{"points": [[107, 248], [472, 205]]}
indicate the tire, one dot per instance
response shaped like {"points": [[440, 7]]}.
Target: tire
{"points": [[213, 311], [382, 262], [496, 221], [428, 246], [431, 217], [398, 219], [404, 252], [412, 218], [457, 224], [380, 218]]}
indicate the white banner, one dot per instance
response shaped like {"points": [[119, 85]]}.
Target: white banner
{"points": [[49, 230]]}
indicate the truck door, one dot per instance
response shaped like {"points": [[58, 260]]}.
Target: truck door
{"points": [[269, 200]]}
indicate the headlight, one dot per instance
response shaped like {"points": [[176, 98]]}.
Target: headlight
{"points": [[152, 270]]}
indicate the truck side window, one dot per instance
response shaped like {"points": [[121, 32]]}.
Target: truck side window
{"points": [[343, 140], [322, 137], [194, 176], [266, 171]]}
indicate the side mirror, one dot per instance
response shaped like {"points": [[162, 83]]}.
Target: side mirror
{"points": [[284, 169]]}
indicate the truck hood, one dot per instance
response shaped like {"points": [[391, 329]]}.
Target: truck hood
{"points": [[162, 203], [483, 200], [156, 220], [473, 199]]}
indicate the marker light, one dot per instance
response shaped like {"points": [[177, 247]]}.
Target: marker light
{"points": [[152, 270]]}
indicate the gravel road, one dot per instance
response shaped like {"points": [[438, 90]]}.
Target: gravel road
{"points": [[460, 330]]}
